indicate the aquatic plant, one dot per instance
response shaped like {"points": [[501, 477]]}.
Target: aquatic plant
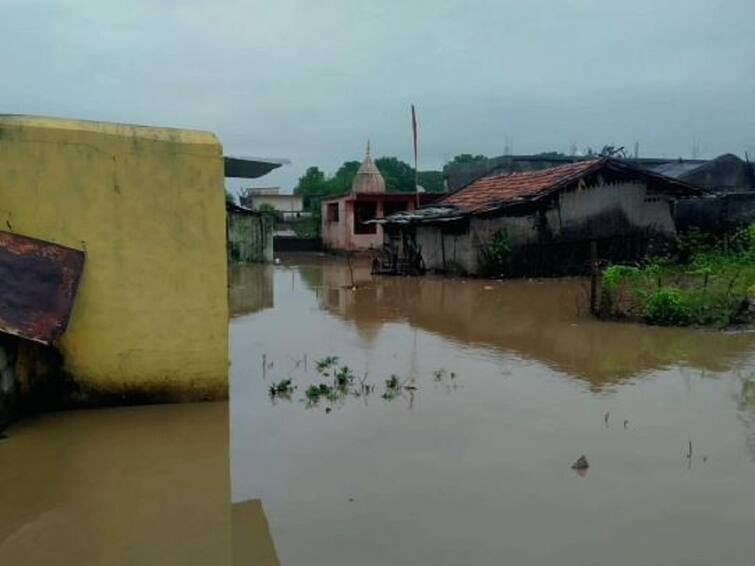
{"points": [[313, 393], [393, 382], [392, 387], [326, 363], [283, 388], [344, 377], [363, 388], [442, 373]]}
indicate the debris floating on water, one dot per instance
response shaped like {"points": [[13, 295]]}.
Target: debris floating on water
{"points": [[605, 417], [626, 423], [581, 463]]}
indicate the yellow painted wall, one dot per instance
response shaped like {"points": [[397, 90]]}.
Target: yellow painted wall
{"points": [[147, 205]]}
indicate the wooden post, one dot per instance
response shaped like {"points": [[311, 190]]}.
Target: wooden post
{"points": [[593, 277]]}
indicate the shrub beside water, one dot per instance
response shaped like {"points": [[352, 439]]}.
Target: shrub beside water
{"points": [[495, 255], [710, 283], [667, 307]]}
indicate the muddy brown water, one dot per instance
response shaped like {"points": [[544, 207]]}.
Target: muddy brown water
{"points": [[476, 469], [472, 467]]}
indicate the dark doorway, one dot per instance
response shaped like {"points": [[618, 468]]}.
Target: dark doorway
{"points": [[364, 211]]}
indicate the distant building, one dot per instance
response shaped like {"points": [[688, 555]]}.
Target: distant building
{"points": [[548, 220], [346, 218], [290, 206], [250, 235], [726, 173], [732, 181]]}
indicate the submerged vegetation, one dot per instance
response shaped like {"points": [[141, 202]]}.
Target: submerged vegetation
{"points": [[337, 383], [708, 282], [282, 388]]}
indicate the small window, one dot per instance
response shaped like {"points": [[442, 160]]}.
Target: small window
{"points": [[332, 213]]}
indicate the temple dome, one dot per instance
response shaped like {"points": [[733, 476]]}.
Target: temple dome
{"points": [[368, 178]]}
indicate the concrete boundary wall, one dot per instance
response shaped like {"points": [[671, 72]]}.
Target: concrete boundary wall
{"points": [[147, 207]]}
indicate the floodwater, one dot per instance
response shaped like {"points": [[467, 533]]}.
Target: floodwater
{"points": [[509, 383], [513, 384], [132, 485]]}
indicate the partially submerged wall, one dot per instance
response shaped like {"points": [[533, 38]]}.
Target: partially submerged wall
{"points": [[603, 212], [147, 207], [250, 237]]}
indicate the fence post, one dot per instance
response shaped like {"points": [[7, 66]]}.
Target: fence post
{"points": [[593, 277]]}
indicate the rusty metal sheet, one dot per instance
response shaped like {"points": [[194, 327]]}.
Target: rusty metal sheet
{"points": [[38, 284]]}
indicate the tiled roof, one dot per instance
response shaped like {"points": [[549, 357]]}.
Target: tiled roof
{"points": [[488, 192]]}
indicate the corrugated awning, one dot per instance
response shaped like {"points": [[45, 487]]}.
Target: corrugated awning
{"points": [[38, 284], [250, 167], [421, 216]]}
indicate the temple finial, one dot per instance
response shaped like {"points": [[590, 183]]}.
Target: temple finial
{"points": [[368, 148]]}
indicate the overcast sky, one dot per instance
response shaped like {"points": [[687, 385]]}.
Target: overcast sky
{"points": [[311, 80]]}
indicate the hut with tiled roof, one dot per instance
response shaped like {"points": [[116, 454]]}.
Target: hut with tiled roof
{"points": [[542, 222]]}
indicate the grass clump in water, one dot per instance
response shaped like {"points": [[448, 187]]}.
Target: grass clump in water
{"points": [[314, 393], [283, 388]]}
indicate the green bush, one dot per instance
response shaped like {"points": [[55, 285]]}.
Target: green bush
{"points": [[667, 306], [615, 275], [711, 285], [495, 255]]}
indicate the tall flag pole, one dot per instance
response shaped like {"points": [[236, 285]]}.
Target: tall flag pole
{"points": [[414, 139]]}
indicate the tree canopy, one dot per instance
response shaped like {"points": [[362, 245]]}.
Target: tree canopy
{"points": [[465, 158], [314, 185]]}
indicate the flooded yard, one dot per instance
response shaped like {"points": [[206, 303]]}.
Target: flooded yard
{"points": [[513, 384], [501, 386]]}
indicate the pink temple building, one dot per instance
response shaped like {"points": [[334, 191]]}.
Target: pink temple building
{"points": [[344, 216]]}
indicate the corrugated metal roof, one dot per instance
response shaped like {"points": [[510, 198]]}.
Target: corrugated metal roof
{"points": [[250, 167], [675, 169], [429, 214], [39, 284]]}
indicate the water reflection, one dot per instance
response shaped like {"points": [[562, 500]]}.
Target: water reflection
{"points": [[138, 485], [541, 320], [746, 406], [476, 469], [251, 288]]}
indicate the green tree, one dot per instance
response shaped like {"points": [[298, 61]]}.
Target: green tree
{"points": [[312, 187], [466, 158], [342, 180], [398, 175], [432, 181]]}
